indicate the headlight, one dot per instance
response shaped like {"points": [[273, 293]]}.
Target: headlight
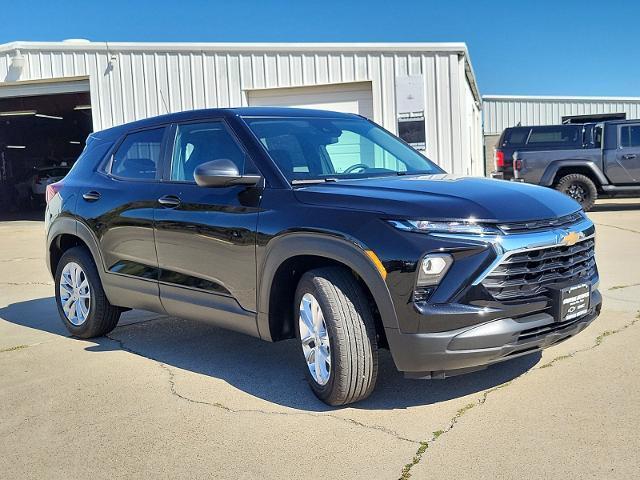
{"points": [[468, 227], [433, 268]]}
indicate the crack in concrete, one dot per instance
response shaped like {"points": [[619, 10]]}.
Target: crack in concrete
{"points": [[18, 259], [174, 391], [598, 341], [619, 228], [14, 348], [618, 299], [620, 287], [424, 445]]}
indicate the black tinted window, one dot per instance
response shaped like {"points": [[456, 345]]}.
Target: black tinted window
{"points": [[556, 135], [630, 136], [138, 156], [516, 136], [597, 136], [197, 143]]}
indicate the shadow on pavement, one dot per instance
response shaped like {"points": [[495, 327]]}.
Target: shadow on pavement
{"points": [[615, 207], [271, 371], [26, 214]]}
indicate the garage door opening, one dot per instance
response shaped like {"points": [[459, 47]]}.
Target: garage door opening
{"points": [[40, 139], [354, 97]]}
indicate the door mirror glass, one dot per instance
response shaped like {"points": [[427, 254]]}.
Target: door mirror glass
{"points": [[222, 172]]}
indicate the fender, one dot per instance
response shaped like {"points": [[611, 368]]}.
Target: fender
{"points": [[552, 169], [72, 226], [120, 290], [332, 247]]}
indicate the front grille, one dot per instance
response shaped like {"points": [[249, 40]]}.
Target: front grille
{"points": [[526, 274], [532, 226]]}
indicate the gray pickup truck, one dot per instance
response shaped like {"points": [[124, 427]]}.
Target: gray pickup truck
{"points": [[582, 161]]}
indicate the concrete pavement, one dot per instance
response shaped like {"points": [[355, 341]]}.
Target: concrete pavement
{"points": [[166, 398]]}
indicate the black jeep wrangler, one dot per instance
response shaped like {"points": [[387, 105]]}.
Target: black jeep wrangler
{"points": [[320, 226]]}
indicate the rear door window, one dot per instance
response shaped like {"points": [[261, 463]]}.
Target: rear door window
{"points": [[138, 156], [630, 136]]}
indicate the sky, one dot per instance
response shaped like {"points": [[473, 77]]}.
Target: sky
{"points": [[561, 47]]}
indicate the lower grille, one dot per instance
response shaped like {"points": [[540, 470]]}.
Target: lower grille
{"points": [[526, 274], [553, 327]]}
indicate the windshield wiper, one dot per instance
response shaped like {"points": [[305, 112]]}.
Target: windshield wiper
{"points": [[311, 181]]}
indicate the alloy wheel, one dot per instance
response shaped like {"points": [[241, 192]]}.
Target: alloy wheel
{"points": [[75, 293], [577, 192], [315, 339]]}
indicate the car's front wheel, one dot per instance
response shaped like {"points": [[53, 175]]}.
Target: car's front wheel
{"points": [[82, 303], [335, 327]]}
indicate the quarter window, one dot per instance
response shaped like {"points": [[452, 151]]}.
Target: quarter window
{"points": [[516, 137], [197, 143], [630, 136], [556, 135], [138, 156]]}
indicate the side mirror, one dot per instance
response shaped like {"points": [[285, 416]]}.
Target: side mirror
{"points": [[222, 173]]}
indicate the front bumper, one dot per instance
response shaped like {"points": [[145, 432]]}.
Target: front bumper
{"points": [[444, 354]]}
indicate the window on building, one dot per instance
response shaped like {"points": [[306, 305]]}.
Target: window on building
{"points": [[138, 156], [413, 131], [630, 136]]}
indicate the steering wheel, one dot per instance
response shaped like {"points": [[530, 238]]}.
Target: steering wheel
{"points": [[355, 167]]}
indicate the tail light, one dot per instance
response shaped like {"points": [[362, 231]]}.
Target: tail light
{"points": [[517, 164], [52, 190], [499, 159]]}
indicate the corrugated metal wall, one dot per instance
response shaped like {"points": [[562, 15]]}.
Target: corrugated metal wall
{"points": [[133, 83], [501, 112]]}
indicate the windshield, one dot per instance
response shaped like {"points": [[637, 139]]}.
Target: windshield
{"points": [[308, 149]]}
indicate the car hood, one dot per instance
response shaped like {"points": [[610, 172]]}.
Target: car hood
{"points": [[441, 197]]}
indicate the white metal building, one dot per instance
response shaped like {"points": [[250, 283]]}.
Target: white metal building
{"points": [[426, 92], [502, 111]]}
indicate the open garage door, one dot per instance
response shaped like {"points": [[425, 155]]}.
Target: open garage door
{"points": [[344, 97], [41, 136]]}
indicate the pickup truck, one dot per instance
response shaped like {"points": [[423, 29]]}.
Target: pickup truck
{"points": [[582, 161]]}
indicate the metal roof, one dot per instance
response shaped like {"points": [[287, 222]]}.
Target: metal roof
{"points": [[503, 111], [80, 45]]}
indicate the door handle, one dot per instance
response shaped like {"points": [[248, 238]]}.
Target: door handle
{"points": [[91, 196], [629, 156], [169, 201]]}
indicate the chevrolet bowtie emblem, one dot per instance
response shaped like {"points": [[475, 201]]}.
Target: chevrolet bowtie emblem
{"points": [[571, 238]]}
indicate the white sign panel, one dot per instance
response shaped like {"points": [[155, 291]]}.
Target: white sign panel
{"points": [[409, 94]]}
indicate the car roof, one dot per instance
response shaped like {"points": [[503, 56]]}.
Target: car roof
{"points": [[221, 112], [612, 122]]}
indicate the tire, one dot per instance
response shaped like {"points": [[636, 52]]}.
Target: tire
{"points": [[579, 187], [351, 333], [101, 317]]}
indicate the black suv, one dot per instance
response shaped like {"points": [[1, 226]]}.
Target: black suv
{"points": [[320, 226]]}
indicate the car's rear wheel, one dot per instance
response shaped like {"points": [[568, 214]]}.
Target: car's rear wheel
{"points": [[579, 187], [82, 303], [335, 327]]}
